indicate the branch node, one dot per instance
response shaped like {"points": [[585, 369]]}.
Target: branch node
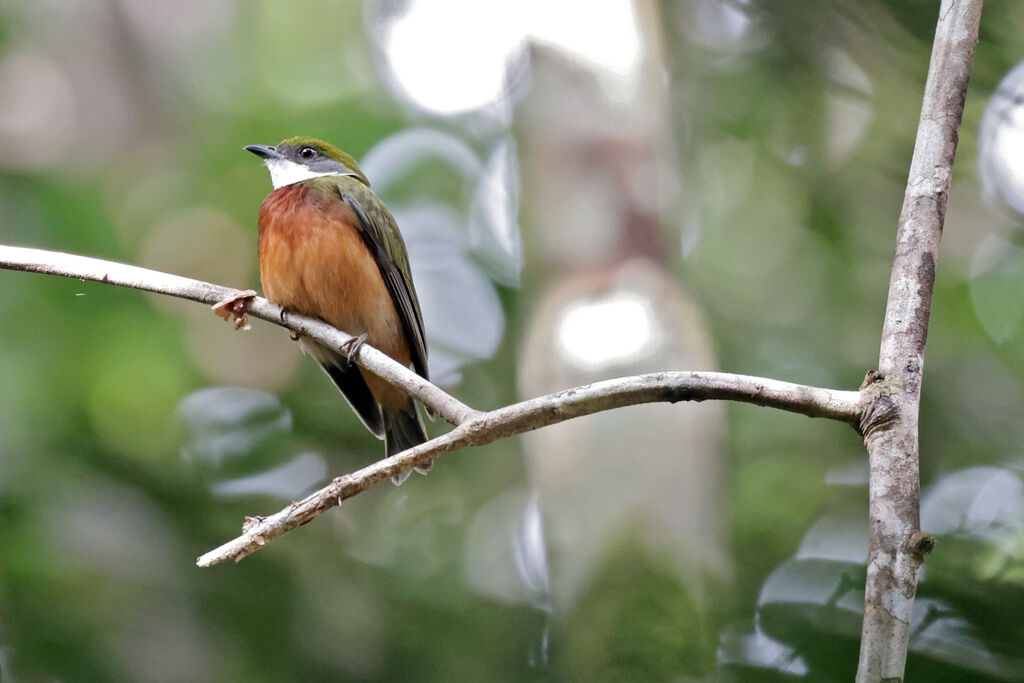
{"points": [[871, 377], [922, 545], [880, 409]]}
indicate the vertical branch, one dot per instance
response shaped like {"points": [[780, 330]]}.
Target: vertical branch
{"points": [[897, 548]]}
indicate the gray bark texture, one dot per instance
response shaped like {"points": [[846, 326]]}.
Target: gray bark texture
{"points": [[897, 547]]}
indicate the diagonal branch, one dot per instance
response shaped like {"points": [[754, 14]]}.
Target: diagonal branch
{"points": [[897, 548], [110, 272], [483, 428], [473, 428]]}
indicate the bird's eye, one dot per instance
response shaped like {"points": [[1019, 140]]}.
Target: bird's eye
{"points": [[307, 152]]}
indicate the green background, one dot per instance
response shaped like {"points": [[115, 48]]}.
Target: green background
{"points": [[103, 507]]}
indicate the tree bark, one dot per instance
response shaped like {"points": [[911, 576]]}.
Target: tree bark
{"points": [[897, 547]]}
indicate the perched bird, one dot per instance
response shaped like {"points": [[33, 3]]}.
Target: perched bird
{"points": [[330, 249]]}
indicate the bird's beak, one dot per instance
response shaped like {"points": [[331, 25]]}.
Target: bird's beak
{"points": [[264, 151]]}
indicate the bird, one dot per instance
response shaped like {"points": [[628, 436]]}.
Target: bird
{"points": [[330, 249]]}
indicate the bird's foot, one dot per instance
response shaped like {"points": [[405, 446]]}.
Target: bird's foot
{"points": [[352, 346], [283, 316], [235, 307]]}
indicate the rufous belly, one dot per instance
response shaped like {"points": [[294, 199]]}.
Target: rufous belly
{"points": [[313, 261]]}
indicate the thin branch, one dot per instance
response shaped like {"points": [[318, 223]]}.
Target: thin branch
{"points": [[897, 548], [110, 272], [483, 428], [473, 427]]}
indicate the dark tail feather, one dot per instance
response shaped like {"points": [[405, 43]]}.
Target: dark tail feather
{"points": [[403, 430]]}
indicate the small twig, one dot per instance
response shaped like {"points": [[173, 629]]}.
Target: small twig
{"points": [[483, 428], [894, 552]]}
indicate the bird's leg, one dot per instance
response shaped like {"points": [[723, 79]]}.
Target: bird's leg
{"points": [[352, 346], [235, 306]]}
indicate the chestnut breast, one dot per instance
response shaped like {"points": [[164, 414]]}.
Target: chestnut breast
{"points": [[314, 261]]}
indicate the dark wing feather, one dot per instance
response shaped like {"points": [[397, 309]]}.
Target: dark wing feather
{"points": [[380, 234], [350, 382], [353, 387]]}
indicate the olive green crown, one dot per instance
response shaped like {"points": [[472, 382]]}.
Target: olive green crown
{"points": [[326, 149]]}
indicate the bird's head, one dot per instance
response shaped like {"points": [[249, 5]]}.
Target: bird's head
{"points": [[301, 158]]}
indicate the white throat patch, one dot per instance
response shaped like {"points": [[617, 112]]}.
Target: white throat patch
{"points": [[284, 172]]}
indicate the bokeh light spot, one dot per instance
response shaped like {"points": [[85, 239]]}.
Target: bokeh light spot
{"points": [[599, 333]]}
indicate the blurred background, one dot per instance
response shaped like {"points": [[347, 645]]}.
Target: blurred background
{"points": [[587, 190]]}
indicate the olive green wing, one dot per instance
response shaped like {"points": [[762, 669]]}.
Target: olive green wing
{"points": [[380, 234]]}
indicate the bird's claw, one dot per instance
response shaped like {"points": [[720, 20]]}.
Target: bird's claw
{"points": [[283, 317], [352, 346], [235, 307]]}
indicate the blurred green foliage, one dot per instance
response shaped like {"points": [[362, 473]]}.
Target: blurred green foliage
{"points": [[101, 516]]}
